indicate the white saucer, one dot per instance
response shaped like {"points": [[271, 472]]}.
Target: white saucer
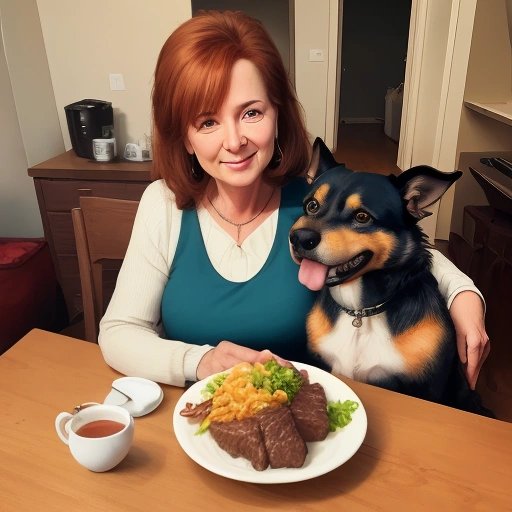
{"points": [[137, 395]]}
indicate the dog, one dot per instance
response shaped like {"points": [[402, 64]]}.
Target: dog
{"points": [[379, 317]]}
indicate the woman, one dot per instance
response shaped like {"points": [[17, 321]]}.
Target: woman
{"points": [[208, 260]]}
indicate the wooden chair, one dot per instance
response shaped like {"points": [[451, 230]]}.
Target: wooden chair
{"points": [[102, 229]]}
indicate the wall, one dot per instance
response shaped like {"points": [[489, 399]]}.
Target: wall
{"points": [[451, 100], [13, 167], [88, 39], [316, 27], [434, 52], [29, 128], [425, 73]]}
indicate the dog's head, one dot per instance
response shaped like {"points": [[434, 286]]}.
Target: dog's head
{"points": [[357, 222]]}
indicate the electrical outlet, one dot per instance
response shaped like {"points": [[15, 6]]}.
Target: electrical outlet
{"points": [[116, 82]]}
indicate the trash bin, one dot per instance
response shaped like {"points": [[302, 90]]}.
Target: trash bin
{"points": [[28, 288], [393, 111]]}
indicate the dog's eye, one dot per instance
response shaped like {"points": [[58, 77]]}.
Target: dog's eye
{"points": [[312, 206], [362, 217]]}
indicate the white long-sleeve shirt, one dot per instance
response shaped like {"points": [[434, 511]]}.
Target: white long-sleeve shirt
{"points": [[130, 335]]}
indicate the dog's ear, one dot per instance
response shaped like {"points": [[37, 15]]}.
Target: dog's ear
{"points": [[422, 186], [321, 160]]}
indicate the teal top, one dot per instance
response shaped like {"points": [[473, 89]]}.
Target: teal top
{"points": [[266, 312]]}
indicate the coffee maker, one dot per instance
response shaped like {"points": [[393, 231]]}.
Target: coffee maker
{"points": [[87, 120]]}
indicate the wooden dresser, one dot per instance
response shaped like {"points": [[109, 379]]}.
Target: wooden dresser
{"points": [[59, 183]]}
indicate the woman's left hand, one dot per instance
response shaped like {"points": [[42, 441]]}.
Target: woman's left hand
{"points": [[473, 345]]}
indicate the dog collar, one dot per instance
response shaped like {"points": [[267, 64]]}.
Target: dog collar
{"points": [[360, 313]]}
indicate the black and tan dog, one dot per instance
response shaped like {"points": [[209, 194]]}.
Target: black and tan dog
{"points": [[380, 317]]}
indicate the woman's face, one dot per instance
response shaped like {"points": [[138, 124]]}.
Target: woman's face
{"points": [[235, 144]]}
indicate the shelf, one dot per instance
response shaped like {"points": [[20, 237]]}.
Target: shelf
{"points": [[501, 112]]}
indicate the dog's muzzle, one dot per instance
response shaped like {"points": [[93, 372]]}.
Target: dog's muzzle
{"points": [[303, 243]]}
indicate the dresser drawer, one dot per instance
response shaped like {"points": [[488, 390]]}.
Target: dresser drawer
{"points": [[63, 235], [63, 195]]}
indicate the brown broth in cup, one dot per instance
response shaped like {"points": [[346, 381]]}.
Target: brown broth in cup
{"points": [[100, 428]]}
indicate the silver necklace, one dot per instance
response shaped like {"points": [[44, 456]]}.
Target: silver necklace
{"points": [[240, 224]]}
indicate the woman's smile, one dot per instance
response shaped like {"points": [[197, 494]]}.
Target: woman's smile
{"points": [[239, 164]]}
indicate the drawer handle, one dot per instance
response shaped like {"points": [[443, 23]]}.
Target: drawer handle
{"points": [[84, 192]]}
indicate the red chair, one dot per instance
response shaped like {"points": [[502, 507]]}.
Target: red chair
{"points": [[28, 288]]}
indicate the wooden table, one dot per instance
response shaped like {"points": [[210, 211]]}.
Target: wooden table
{"points": [[416, 455]]}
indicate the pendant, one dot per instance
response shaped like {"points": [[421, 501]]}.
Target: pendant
{"points": [[357, 322], [238, 229]]}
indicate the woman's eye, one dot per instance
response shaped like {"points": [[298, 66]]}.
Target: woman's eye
{"points": [[312, 206], [209, 123], [253, 115], [362, 217]]}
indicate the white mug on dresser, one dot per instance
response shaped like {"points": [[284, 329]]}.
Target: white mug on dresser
{"points": [[104, 150]]}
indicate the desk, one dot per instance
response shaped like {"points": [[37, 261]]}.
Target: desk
{"points": [[416, 455]]}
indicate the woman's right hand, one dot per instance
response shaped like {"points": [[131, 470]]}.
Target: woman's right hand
{"points": [[227, 354]]}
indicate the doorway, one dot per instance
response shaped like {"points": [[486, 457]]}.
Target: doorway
{"points": [[374, 39]]}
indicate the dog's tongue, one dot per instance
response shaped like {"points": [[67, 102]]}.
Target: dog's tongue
{"points": [[312, 274]]}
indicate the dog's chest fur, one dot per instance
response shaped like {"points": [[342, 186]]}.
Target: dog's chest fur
{"points": [[365, 353]]}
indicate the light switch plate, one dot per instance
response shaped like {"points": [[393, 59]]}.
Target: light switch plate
{"points": [[116, 82], [316, 55]]}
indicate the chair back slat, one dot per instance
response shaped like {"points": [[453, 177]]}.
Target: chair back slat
{"points": [[102, 229]]}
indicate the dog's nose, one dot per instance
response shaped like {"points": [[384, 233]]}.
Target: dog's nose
{"points": [[306, 239]]}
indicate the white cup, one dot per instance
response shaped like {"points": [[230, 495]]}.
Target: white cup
{"points": [[104, 150], [97, 453]]}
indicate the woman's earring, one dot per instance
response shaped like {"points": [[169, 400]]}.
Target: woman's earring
{"points": [[196, 170], [277, 156]]}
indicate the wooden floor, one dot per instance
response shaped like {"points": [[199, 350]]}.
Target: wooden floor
{"points": [[365, 147]]}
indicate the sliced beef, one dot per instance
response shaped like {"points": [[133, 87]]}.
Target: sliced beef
{"points": [[242, 438], [309, 410], [285, 447]]}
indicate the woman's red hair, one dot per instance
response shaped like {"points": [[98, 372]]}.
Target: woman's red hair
{"points": [[193, 74]]}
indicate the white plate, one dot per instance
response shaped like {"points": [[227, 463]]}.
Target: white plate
{"points": [[137, 395], [323, 456]]}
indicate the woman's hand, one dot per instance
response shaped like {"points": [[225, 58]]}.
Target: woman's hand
{"points": [[227, 354], [473, 345]]}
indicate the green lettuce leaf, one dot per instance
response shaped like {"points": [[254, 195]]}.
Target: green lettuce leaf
{"points": [[340, 413]]}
